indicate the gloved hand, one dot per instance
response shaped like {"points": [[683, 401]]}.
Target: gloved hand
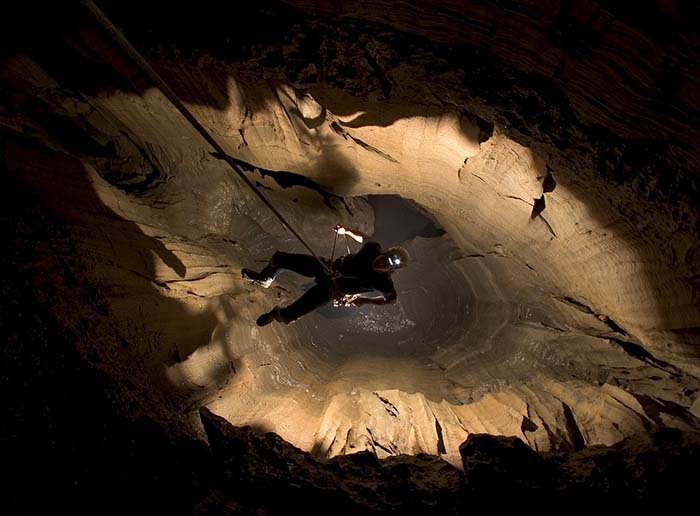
{"points": [[350, 299], [356, 235]]}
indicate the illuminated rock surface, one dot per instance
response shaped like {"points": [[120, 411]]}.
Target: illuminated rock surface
{"points": [[553, 294]]}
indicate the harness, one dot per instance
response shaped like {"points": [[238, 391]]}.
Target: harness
{"points": [[337, 297]]}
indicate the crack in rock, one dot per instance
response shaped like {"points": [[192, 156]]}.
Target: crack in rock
{"points": [[345, 134], [384, 82], [376, 444], [578, 305], [287, 179], [440, 440], [572, 427], [389, 406]]}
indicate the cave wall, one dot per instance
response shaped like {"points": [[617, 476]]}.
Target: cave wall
{"points": [[583, 328]]}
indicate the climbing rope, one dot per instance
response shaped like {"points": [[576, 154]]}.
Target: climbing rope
{"points": [[146, 68], [335, 241]]}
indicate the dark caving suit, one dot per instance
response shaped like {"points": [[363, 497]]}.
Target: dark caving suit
{"points": [[353, 275]]}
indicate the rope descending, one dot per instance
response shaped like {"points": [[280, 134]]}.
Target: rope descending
{"points": [[146, 68]]}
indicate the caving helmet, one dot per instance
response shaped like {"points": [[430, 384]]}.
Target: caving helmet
{"points": [[391, 260]]}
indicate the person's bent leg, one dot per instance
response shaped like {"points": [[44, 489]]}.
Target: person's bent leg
{"points": [[303, 264], [312, 299]]}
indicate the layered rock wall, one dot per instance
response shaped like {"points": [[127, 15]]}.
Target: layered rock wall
{"points": [[563, 304]]}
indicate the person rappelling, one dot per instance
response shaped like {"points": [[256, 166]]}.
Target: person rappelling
{"points": [[341, 280]]}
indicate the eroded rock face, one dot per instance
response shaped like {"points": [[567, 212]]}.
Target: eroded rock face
{"points": [[348, 483], [656, 467], [560, 306]]}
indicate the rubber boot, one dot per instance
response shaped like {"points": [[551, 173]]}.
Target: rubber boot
{"points": [[263, 278], [267, 318]]}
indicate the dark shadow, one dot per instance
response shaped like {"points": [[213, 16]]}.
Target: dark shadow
{"points": [[287, 179], [67, 426], [258, 462], [643, 468], [310, 123], [397, 219], [68, 43], [140, 318], [169, 258]]}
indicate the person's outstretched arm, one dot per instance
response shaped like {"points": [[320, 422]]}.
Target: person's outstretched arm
{"points": [[385, 299], [355, 234]]}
